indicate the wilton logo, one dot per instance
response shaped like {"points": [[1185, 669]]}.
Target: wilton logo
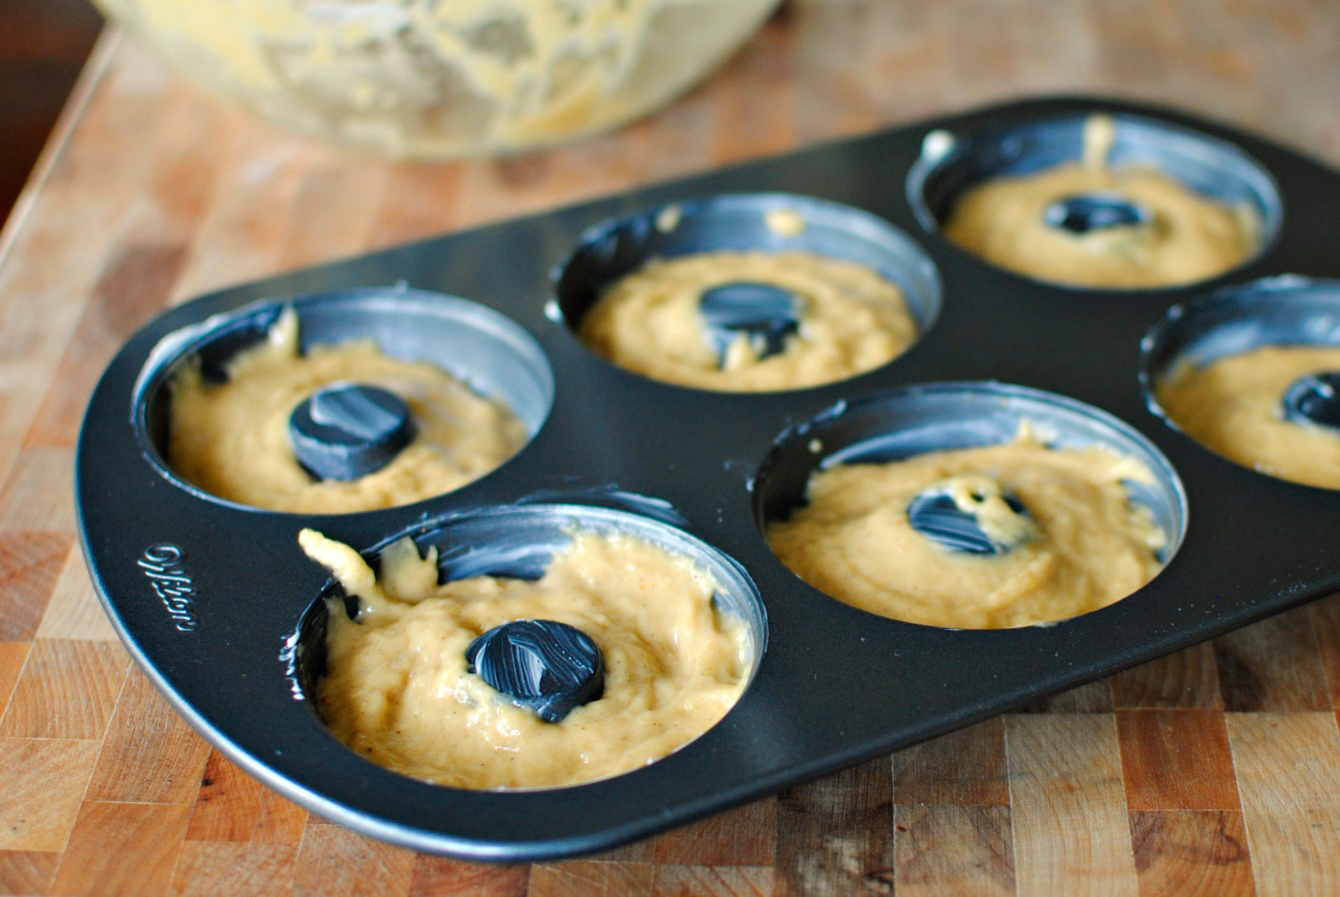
{"points": [[164, 567]]}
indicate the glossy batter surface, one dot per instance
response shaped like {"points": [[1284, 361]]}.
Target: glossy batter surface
{"points": [[1233, 406], [398, 691], [232, 439], [1190, 237], [1086, 545], [852, 320]]}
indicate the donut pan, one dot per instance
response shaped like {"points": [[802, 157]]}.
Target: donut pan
{"points": [[223, 611]]}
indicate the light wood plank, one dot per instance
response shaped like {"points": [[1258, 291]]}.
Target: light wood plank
{"points": [[242, 234], [27, 871], [74, 611], [1092, 697], [121, 850], [713, 881], [13, 655], [68, 689], [1295, 853], [418, 201], [1191, 853], [1326, 624], [233, 806], [132, 288], [1071, 834], [39, 807], [745, 836], [331, 217], [592, 878], [966, 768], [633, 852], [235, 869], [41, 262], [173, 196], [149, 753], [336, 862], [435, 876], [954, 849], [36, 497], [136, 193], [835, 836], [1274, 665], [1288, 767], [1186, 678], [744, 127], [30, 563]]}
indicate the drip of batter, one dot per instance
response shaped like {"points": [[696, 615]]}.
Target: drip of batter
{"points": [[234, 439], [1170, 235], [399, 691], [1233, 406], [850, 320], [1083, 544]]}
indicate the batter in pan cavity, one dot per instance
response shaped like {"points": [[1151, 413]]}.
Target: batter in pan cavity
{"points": [[234, 439], [400, 689], [1238, 406], [982, 538], [1091, 224], [837, 319]]}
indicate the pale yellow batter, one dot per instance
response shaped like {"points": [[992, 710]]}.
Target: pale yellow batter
{"points": [[852, 320], [1232, 407], [397, 688], [1085, 547], [434, 78], [232, 439], [1190, 237]]}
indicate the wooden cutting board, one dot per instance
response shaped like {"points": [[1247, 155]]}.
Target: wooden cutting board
{"points": [[1213, 771]]}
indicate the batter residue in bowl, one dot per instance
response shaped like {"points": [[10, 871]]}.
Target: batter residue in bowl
{"points": [[851, 320], [398, 690], [431, 79], [1083, 546], [1233, 406], [232, 439]]}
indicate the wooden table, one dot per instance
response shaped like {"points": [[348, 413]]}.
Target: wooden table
{"points": [[1213, 771]]}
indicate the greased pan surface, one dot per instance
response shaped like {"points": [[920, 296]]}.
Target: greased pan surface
{"points": [[213, 599]]}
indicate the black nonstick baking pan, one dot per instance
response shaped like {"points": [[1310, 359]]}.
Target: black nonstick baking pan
{"points": [[224, 613]]}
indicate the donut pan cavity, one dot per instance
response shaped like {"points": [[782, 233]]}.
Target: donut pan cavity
{"points": [[220, 607]]}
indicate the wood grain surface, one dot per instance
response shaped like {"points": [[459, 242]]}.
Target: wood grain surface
{"points": [[1214, 771]]}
